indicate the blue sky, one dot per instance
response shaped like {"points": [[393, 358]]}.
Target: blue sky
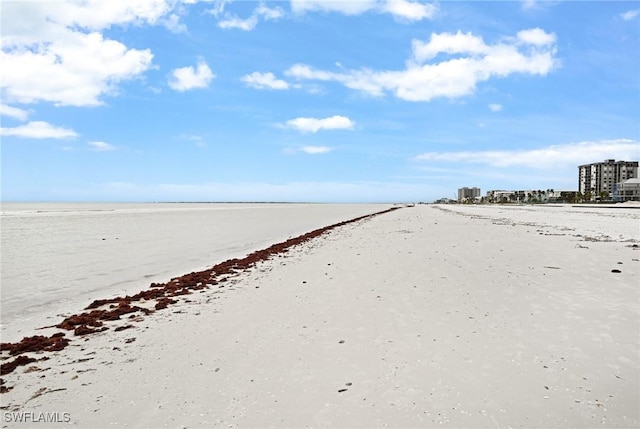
{"points": [[329, 101]]}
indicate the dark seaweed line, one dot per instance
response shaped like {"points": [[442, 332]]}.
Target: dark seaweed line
{"points": [[93, 321]]}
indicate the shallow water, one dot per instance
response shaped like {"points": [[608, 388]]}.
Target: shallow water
{"points": [[56, 258]]}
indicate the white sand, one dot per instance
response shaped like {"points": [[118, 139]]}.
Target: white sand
{"points": [[484, 318], [61, 256]]}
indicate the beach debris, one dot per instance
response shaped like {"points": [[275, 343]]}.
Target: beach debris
{"points": [[36, 343], [84, 330], [8, 367], [3, 387], [342, 390], [616, 271], [164, 303], [122, 328], [85, 323], [341, 341], [44, 391]]}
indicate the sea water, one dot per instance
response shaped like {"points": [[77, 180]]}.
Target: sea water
{"points": [[56, 258]]}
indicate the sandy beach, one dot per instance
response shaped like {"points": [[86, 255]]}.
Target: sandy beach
{"points": [[424, 316], [88, 250]]}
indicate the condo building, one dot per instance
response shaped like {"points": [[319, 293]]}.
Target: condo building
{"points": [[603, 176], [464, 193]]}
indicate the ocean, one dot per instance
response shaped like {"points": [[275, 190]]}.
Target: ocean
{"points": [[56, 258]]}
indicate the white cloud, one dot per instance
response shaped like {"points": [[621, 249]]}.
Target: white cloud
{"points": [[248, 24], [475, 62], [264, 81], [313, 125], [241, 24], [402, 9], [13, 112], [269, 12], [549, 157], [38, 130], [447, 43], [173, 24], [101, 146], [536, 37], [314, 150], [186, 78], [354, 7], [45, 47], [529, 4], [198, 140], [218, 6], [495, 107], [409, 10], [630, 15]]}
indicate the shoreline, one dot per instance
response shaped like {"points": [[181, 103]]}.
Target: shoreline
{"points": [[87, 251], [111, 309], [421, 317]]}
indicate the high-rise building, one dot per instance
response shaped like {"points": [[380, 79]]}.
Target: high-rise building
{"points": [[464, 193], [603, 176]]}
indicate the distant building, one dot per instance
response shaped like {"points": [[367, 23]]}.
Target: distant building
{"points": [[465, 193], [526, 196], [629, 190], [445, 201], [602, 177]]}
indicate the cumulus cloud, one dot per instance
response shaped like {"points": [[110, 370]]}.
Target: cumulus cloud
{"points": [[269, 12], [630, 15], [38, 130], [424, 78], [173, 24], [355, 7], [543, 158], [264, 81], [312, 125], [449, 44], [101, 146], [186, 78], [495, 107], [218, 5], [56, 52], [248, 24], [315, 150], [13, 112], [402, 9], [536, 36], [409, 10]]}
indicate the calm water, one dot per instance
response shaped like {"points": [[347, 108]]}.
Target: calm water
{"points": [[56, 258]]}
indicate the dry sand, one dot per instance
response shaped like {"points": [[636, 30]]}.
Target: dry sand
{"points": [[422, 317]]}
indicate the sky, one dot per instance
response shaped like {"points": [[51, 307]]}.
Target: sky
{"points": [[312, 100]]}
